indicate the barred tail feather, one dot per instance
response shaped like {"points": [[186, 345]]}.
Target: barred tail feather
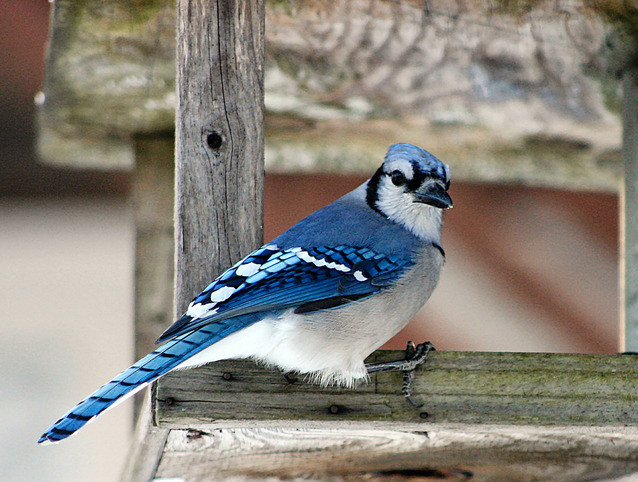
{"points": [[138, 376]]}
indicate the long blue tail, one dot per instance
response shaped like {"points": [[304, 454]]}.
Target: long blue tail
{"points": [[145, 371]]}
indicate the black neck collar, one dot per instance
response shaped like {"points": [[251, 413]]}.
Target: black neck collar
{"points": [[372, 191]]}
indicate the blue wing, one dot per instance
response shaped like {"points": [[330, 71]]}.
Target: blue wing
{"points": [[307, 279], [267, 280]]}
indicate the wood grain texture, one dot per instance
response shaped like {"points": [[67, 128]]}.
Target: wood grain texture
{"points": [[490, 416], [455, 387], [432, 452], [110, 74], [219, 139], [499, 91]]}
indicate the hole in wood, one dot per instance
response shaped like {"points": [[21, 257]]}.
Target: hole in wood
{"points": [[334, 409], [214, 140], [425, 472]]}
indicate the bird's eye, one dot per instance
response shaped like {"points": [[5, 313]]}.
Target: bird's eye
{"points": [[398, 179]]}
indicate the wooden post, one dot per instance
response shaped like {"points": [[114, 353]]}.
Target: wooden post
{"points": [[219, 139], [153, 196], [629, 214], [219, 173]]}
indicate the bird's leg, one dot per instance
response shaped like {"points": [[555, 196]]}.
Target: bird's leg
{"points": [[414, 356]]}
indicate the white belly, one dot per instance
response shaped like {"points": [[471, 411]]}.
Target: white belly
{"points": [[289, 345]]}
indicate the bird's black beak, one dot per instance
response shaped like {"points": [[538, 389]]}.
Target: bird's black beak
{"points": [[434, 195]]}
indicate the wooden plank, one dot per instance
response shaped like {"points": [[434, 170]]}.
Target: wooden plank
{"points": [[475, 153], [429, 452], [364, 74], [147, 446], [481, 86], [629, 215], [455, 387], [219, 139], [110, 73]]}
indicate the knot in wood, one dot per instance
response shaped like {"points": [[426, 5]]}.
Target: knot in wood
{"points": [[214, 140]]}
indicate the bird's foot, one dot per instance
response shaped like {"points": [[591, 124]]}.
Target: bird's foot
{"points": [[414, 356]]}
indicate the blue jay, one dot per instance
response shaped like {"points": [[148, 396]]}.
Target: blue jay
{"points": [[318, 299]]}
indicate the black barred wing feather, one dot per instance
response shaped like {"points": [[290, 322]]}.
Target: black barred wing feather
{"points": [[307, 279]]}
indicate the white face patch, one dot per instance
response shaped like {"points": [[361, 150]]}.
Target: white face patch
{"points": [[402, 165], [421, 219]]}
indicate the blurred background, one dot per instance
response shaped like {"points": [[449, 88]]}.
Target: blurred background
{"points": [[528, 269]]}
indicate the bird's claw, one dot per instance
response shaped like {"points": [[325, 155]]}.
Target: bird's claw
{"points": [[414, 356]]}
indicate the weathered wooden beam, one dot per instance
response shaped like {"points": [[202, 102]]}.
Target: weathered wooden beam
{"points": [[474, 153], [503, 94], [147, 446], [486, 416], [629, 215], [219, 148], [426, 452], [622, 60], [110, 74], [455, 387], [152, 194]]}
